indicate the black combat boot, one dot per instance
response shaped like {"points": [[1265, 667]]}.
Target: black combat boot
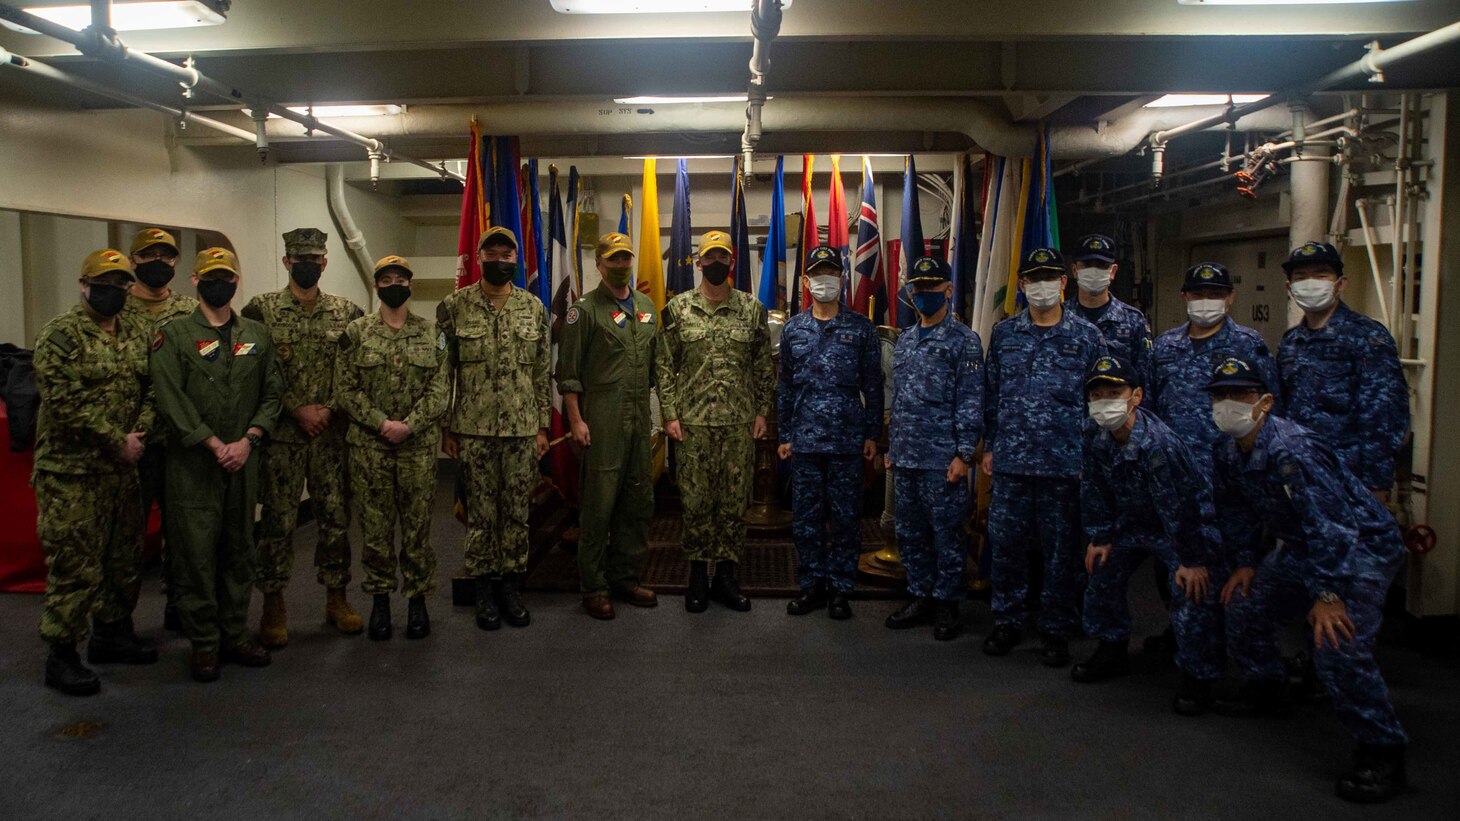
{"points": [[697, 596], [837, 605], [725, 588], [1378, 774], [946, 624], [509, 598], [66, 673], [487, 616], [380, 628], [811, 598], [1193, 696], [918, 611], [418, 621], [118, 643], [1257, 699], [1004, 638], [1053, 651], [1304, 684], [1111, 659]]}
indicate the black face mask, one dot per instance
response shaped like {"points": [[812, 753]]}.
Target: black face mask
{"points": [[155, 273], [394, 295], [716, 272], [306, 274], [106, 300], [216, 292], [499, 272]]}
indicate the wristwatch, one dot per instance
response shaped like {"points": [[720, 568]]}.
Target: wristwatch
{"points": [[254, 440], [1328, 597]]}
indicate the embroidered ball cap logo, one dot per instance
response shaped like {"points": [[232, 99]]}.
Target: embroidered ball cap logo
{"points": [[1095, 244], [1105, 364], [925, 265], [1310, 249], [1041, 255], [1230, 367], [1206, 272]]}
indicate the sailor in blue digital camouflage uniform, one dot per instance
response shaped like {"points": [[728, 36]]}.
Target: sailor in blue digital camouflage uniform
{"points": [[1181, 361], [829, 416], [1034, 415], [937, 419], [1140, 493], [1340, 373], [1336, 553], [1123, 326]]}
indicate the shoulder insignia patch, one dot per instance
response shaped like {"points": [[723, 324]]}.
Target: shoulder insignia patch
{"points": [[156, 340], [572, 315], [441, 341], [62, 340]]}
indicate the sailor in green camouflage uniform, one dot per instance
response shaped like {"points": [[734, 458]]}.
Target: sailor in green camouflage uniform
{"points": [[392, 384], [153, 302], [715, 380], [96, 409], [605, 367], [500, 350], [309, 443], [218, 391]]}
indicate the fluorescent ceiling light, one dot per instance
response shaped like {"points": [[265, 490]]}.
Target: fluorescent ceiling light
{"points": [[327, 111], [650, 99], [1173, 100], [651, 6], [136, 16], [1278, 2]]}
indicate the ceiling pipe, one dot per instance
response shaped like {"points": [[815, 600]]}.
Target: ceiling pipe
{"points": [[350, 233], [105, 45], [765, 24], [38, 69], [988, 128], [1371, 65]]}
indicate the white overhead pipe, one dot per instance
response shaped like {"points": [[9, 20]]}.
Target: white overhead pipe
{"points": [[765, 24], [1363, 207], [334, 178]]}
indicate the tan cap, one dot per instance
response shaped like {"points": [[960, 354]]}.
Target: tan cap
{"points": [[716, 239], [149, 237], [104, 262], [302, 241], [215, 259], [500, 234], [610, 244], [394, 261]]}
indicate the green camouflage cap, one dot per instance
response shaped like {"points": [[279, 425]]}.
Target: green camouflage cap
{"points": [[302, 241]]}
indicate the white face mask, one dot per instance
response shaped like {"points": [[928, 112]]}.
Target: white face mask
{"points": [[1109, 414], [1313, 295], [1044, 294], [1234, 418], [1206, 312], [1093, 280], [825, 288]]}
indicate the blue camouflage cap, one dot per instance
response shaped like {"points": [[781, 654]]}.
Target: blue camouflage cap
{"points": [[1042, 259], [1314, 253], [1113, 369], [1207, 275], [1236, 372], [1096, 248], [823, 255], [929, 269]]}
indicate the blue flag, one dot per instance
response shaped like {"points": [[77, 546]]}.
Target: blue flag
{"points": [[773, 263], [965, 248], [740, 232], [681, 245], [501, 192], [912, 240], [623, 217], [543, 284], [570, 218]]}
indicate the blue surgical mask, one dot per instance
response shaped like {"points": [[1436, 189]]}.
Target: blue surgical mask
{"points": [[928, 302]]}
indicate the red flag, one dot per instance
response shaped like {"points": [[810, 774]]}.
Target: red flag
{"points": [[894, 272], [836, 213], [527, 243], [473, 215], [808, 224]]}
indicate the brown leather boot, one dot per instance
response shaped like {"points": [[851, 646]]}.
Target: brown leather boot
{"points": [[274, 623], [246, 654], [598, 606], [204, 665], [337, 611], [638, 596]]}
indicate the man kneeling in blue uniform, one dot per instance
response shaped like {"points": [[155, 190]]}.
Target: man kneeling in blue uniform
{"points": [[1337, 551], [1140, 493], [937, 418]]}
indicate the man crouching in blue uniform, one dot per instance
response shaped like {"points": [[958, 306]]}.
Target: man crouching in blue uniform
{"points": [[937, 418], [1337, 551], [1033, 420], [1140, 493]]}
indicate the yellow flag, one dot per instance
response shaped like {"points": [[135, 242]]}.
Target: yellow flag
{"points": [[651, 261]]}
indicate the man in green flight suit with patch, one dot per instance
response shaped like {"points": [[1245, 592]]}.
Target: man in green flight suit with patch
{"points": [[218, 389], [605, 368], [715, 384]]}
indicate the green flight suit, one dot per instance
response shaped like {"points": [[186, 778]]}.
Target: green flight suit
{"points": [[306, 338], [207, 387], [606, 356], [713, 366], [94, 391], [402, 375]]}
